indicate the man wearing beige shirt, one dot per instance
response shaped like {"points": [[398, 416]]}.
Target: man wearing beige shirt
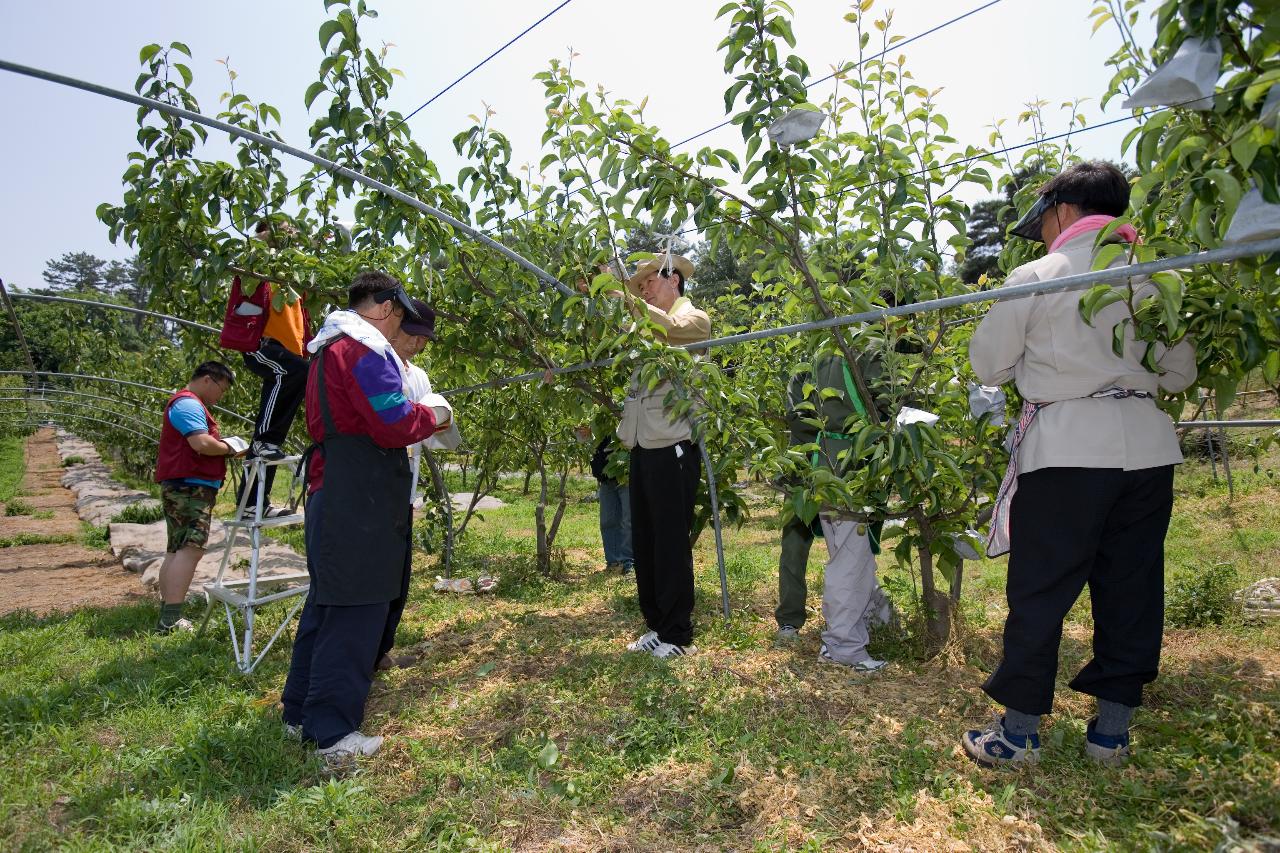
{"points": [[664, 466], [1091, 477]]}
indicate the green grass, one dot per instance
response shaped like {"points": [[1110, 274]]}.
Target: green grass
{"points": [[18, 506], [523, 727], [139, 513], [12, 466]]}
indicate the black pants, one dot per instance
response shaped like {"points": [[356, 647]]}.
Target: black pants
{"points": [[334, 654], [284, 384], [664, 483], [1069, 527]]}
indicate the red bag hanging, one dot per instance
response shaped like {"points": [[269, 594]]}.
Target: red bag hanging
{"points": [[243, 332]]}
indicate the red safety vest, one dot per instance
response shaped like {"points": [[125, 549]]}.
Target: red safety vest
{"points": [[176, 459]]}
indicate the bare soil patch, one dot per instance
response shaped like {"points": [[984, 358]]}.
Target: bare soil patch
{"points": [[56, 577]]}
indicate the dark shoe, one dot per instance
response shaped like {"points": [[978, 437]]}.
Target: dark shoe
{"points": [[1109, 750]]}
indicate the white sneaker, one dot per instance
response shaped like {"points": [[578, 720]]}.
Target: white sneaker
{"points": [[662, 651], [183, 625], [646, 643], [293, 731], [344, 752], [865, 667]]}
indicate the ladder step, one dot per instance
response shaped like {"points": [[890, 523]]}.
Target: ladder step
{"points": [[288, 577], [278, 521]]}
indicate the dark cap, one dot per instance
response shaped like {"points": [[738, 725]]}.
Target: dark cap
{"points": [[424, 324]]}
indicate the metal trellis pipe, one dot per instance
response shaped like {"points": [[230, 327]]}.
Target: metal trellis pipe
{"points": [[43, 297], [715, 523], [1078, 281], [39, 392], [149, 103], [1239, 424], [168, 392], [56, 407], [53, 415]]}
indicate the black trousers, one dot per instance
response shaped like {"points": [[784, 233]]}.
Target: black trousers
{"points": [[284, 385], [1072, 527], [663, 485], [335, 651]]}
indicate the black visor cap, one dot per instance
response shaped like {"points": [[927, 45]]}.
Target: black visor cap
{"points": [[397, 293], [1028, 227]]}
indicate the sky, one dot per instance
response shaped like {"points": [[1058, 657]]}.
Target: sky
{"points": [[64, 151]]}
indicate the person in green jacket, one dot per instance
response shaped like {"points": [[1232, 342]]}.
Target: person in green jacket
{"points": [[852, 599]]}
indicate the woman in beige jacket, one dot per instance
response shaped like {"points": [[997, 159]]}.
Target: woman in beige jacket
{"points": [[1089, 492]]}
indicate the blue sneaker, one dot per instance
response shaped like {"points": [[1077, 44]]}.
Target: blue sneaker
{"points": [[1110, 750], [995, 747]]}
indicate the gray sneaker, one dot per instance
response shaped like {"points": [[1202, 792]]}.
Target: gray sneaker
{"points": [[788, 632]]}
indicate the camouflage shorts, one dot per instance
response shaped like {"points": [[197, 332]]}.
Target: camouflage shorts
{"points": [[188, 511]]}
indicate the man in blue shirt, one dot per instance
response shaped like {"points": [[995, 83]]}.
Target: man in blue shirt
{"points": [[190, 466]]}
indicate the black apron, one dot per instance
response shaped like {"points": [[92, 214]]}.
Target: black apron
{"points": [[360, 549]]}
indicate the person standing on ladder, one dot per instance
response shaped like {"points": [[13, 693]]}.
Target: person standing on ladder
{"points": [[191, 464], [358, 515], [665, 466], [271, 334]]}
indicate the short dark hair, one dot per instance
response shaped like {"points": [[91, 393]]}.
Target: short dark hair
{"points": [[1096, 186], [366, 284], [263, 225], [215, 370], [667, 273]]}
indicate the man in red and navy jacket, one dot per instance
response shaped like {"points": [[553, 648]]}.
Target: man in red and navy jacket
{"points": [[358, 515], [191, 464]]}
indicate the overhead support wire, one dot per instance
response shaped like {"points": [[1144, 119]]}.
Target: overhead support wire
{"points": [[895, 46], [92, 378], [308, 181], [1079, 281], [542, 275], [42, 297]]}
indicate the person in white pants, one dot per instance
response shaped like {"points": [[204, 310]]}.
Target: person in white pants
{"points": [[852, 600]]}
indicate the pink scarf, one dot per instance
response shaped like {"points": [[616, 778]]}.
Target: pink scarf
{"points": [[1093, 222]]}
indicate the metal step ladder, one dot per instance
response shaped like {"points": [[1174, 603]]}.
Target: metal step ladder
{"points": [[241, 598]]}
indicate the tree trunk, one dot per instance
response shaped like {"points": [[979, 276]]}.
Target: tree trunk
{"points": [[540, 517], [446, 505], [937, 604]]}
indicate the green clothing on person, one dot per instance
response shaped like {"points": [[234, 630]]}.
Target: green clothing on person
{"points": [[833, 414]]}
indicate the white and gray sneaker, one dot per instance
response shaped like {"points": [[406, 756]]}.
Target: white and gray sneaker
{"points": [[344, 753], [663, 651], [266, 450], [182, 626], [646, 643], [865, 667], [788, 632]]}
